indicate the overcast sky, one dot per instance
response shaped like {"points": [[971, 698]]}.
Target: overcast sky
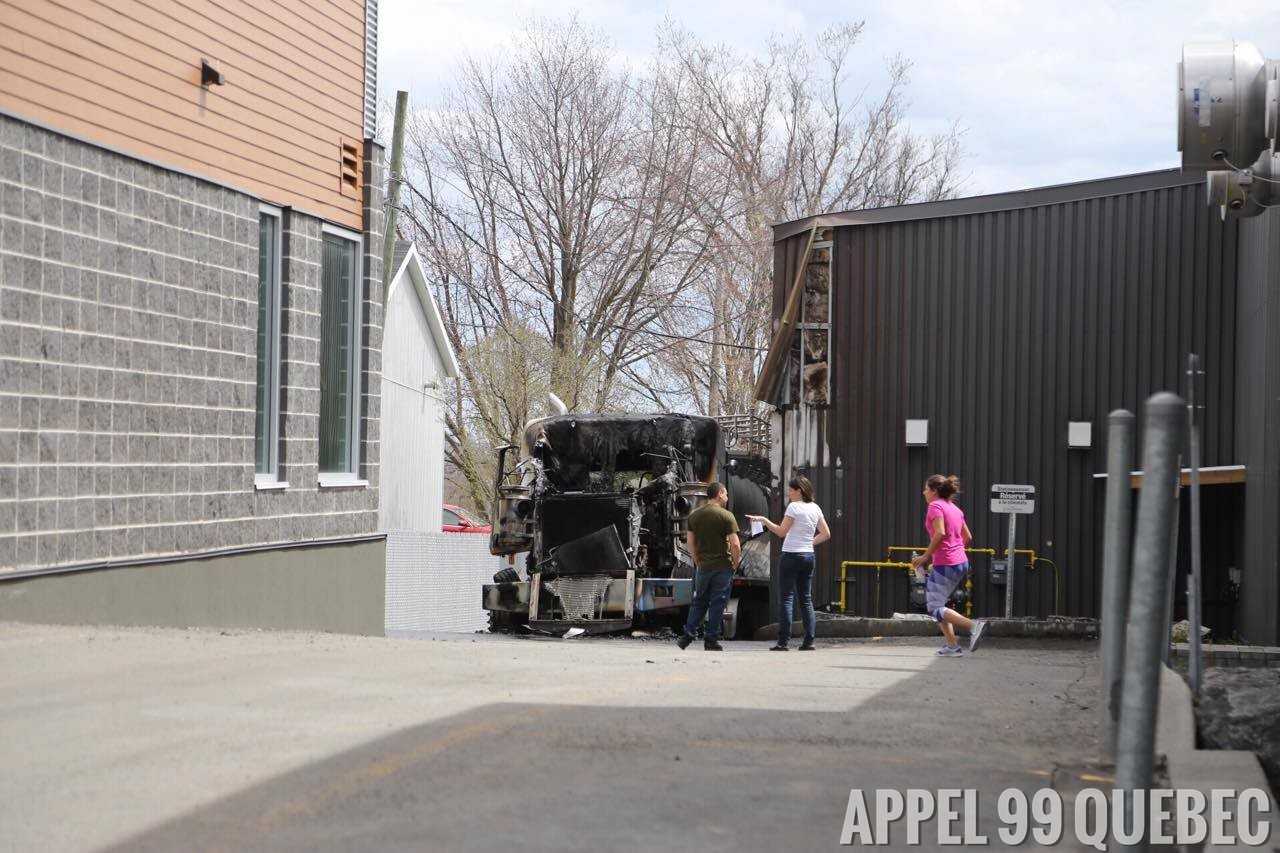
{"points": [[1048, 92]]}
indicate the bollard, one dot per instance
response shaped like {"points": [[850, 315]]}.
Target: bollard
{"points": [[1116, 543], [1140, 680]]}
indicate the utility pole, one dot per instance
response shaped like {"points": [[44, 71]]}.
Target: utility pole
{"points": [[393, 197]]}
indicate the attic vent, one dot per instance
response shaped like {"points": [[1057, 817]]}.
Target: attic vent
{"points": [[350, 157]]}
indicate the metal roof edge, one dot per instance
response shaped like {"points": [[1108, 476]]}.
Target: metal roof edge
{"points": [[995, 202], [412, 267]]}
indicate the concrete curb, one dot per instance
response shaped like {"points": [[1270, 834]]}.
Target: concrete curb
{"points": [[1227, 655], [861, 626], [1201, 769]]}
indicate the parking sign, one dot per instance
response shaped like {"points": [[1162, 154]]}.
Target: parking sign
{"points": [[1013, 499]]}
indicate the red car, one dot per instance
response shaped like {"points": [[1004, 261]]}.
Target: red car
{"points": [[456, 520]]}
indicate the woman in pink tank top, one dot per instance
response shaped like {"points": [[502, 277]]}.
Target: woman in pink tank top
{"points": [[948, 535]]}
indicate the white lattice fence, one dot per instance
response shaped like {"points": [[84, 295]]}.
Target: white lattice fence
{"points": [[434, 581]]}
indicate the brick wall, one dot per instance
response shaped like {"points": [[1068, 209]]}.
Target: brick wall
{"points": [[127, 363], [371, 317]]}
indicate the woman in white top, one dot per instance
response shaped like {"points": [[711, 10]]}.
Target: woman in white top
{"points": [[802, 527]]}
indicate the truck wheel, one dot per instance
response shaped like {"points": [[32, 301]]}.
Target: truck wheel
{"points": [[507, 575]]}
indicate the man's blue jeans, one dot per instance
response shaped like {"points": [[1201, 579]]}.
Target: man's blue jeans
{"points": [[710, 595], [795, 573]]}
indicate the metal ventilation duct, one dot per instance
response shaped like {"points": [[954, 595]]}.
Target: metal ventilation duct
{"points": [[1228, 110]]}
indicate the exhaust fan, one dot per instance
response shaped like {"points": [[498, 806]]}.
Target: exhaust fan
{"points": [[1228, 111]]}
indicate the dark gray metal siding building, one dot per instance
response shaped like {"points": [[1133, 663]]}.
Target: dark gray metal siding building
{"points": [[999, 319]]}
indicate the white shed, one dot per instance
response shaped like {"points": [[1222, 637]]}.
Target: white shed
{"points": [[416, 358], [434, 579]]}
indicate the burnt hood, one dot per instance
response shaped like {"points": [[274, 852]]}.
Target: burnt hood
{"points": [[579, 444]]}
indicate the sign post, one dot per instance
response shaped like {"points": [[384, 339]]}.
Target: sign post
{"points": [[1013, 501]]}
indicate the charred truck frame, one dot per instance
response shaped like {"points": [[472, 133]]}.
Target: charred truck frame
{"points": [[600, 504]]}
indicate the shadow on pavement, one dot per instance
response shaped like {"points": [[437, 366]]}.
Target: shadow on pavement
{"points": [[592, 778]]}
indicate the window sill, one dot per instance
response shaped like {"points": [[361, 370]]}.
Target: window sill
{"points": [[269, 484], [339, 481]]}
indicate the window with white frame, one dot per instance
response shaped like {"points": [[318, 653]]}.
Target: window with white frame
{"points": [[267, 422], [339, 357]]}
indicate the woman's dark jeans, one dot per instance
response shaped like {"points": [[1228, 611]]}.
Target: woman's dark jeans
{"points": [[795, 572]]}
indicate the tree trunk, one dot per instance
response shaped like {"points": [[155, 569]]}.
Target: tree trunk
{"points": [[714, 403]]}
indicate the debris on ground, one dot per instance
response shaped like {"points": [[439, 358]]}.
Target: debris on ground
{"points": [[663, 634], [1239, 708], [1181, 631]]}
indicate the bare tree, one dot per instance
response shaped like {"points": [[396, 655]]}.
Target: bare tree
{"points": [[606, 235], [785, 135], [551, 194]]}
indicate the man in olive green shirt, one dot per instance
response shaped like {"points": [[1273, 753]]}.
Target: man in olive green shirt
{"points": [[713, 544]]}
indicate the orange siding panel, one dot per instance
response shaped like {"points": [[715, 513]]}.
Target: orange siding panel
{"points": [[125, 73], [339, 48], [127, 37], [227, 46], [287, 151], [341, 12], [95, 121], [161, 76], [250, 30]]}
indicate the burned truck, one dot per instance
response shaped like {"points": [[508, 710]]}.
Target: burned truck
{"points": [[598, 505]]}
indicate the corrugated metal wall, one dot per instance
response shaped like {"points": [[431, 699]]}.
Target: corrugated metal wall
{"points": [[1259, 407], [999, 328]]}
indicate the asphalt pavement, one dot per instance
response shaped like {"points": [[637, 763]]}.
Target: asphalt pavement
{"points": [[150, 739]]}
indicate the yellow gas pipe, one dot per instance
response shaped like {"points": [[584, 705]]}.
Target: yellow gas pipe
{"points": [[1032, 559], [864, 564], [968, 582]]}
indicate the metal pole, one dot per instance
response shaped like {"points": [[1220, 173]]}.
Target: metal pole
{"points": [[1166, 653], [1195, 667], [1140, 686], [1116, 544], [1008, 574]]}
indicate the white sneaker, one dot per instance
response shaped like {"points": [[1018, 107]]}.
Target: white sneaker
{"points": [[975, 636], [950, 652]]}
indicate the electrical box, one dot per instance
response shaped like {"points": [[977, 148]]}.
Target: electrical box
{"points": [[1080, 434], [999, 572], [917, 432]]}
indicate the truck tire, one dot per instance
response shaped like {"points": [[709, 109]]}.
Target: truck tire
{"points": [[507, 575]]}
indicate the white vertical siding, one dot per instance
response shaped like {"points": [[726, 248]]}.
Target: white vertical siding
{"points": [[435, 581], [370, 68], [412, 487]]}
